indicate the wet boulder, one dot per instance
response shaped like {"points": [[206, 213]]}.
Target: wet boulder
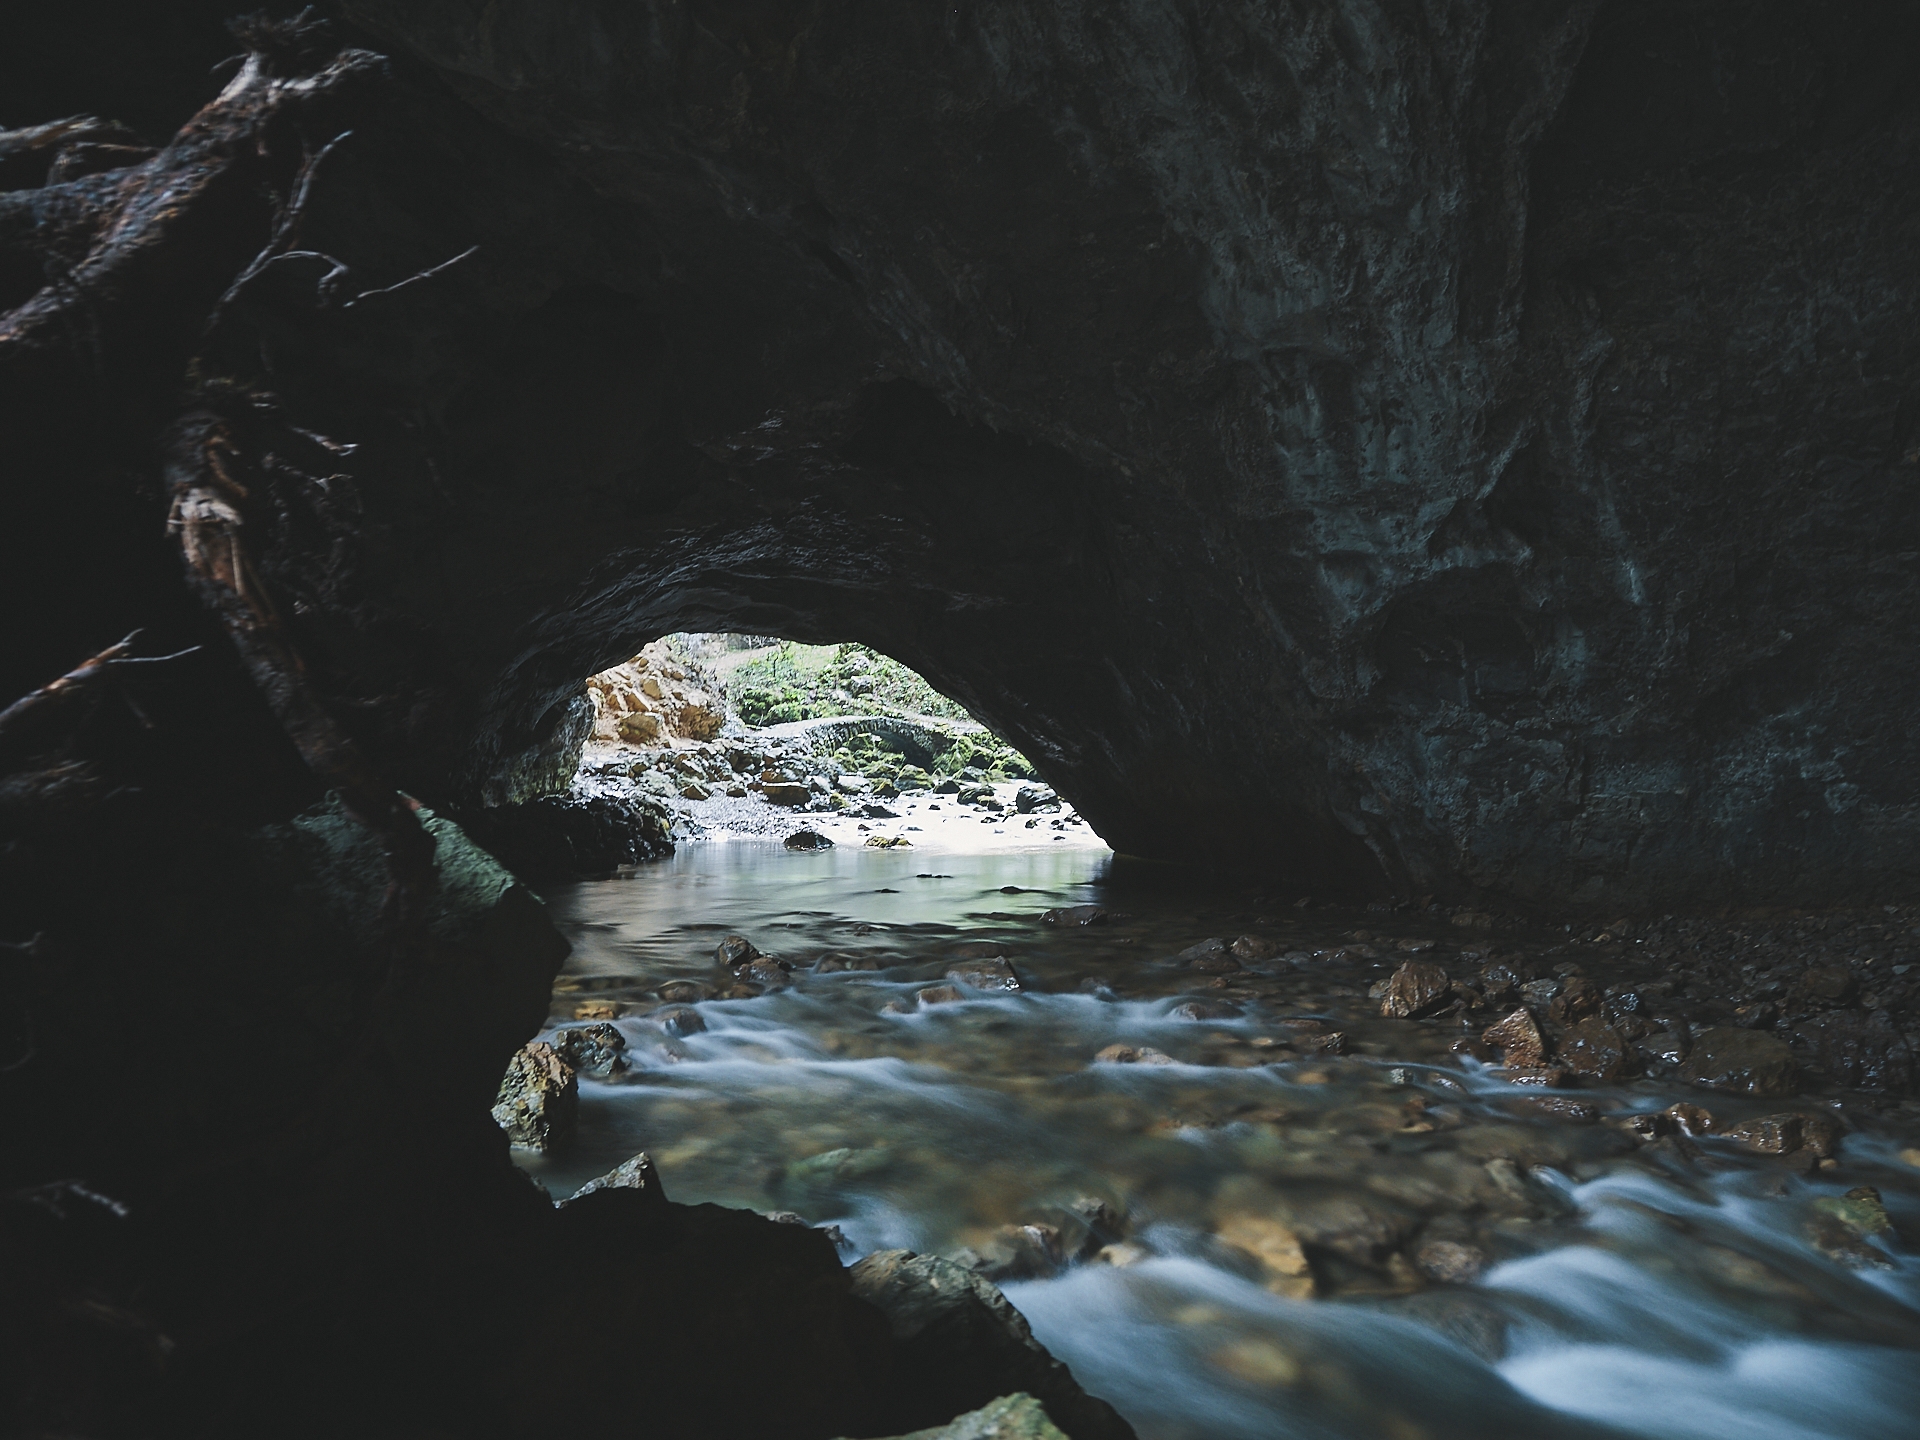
{"points": [[1746, 1062], [1076, 915], [1518, 1039], [996, 973], [539, 1099], [1593, 1049], [1859, 1050], [590, 1048], [1813, 1133], [783, 792], [679, 1020], [1419, 987], [807, 840], [1213, 956], [958, 1344], [735, 952]]}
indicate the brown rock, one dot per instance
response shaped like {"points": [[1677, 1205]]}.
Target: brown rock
{"points": [[780, 792], [1276, 1249], [1076, 915], [1254, 947], [1594, 1049], [939, 995], [735, 951], [1213, 956], [767, 971], [685, 992], [1450, 1261], [1578, 999], [1833, 983], [591, 1047], [1518, 1039], [679, 1020], [1416, 988], [1745, 1062], [1786, 1134], [1692, 1119], [1560, 1107], [539, 1098], [995, 974]]}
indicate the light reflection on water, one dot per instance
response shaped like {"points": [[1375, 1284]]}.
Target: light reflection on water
{"points": [[1625, 1301]]}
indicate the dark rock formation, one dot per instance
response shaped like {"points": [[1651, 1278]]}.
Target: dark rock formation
{"points": [[1439, 451], [1449, 448]]}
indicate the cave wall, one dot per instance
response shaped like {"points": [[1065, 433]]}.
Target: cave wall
{"points": [[1454, 448]]}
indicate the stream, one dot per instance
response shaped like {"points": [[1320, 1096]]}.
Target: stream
{"points": [[1249, 1231]]}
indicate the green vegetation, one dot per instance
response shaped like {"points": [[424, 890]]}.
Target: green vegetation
{"points": [[805, 682], [809, 682]]}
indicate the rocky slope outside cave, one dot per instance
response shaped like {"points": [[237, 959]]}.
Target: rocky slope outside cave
{"points": [[694, 737]]}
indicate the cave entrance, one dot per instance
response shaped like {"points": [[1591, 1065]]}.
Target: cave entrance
{"points": [[760, 735]]}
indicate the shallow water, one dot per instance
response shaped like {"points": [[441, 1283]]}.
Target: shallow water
{"points": [[1623, 1293]]}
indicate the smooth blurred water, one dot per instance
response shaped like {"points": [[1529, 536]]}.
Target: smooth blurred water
{"points": [[1625, 1298]]}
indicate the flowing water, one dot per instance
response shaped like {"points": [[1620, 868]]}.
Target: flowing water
{"points": [[1388, 1242]]}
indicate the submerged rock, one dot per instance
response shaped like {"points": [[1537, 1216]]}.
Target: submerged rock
{"points": [[958, 1342], [1076, 915], [1746, 1062], [1274, 1248], [591, 1047], [994, 974], [539, 1099], [1518, 1039]]}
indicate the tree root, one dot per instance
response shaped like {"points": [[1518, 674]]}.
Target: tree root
{"points": [[208, 521]]}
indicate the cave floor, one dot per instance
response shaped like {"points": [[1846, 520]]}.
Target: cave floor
{"points": [[1224, 1187]]}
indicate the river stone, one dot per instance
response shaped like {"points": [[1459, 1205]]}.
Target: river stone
{"points": [[958, 1344], [1578, 999], [995, 974], [1076, 915], [679, 1020], [807, 840], [1817, 1134], [735, 951], [1283, 1264], [1857, 1049], [938, 995], [1593, 1049], [781, 792], [1451, 1262], [1746, 1062], [637, 1173], [539, 1098], [1213, 956], [591, 1047], [1415, 989], [1518, 1039]]}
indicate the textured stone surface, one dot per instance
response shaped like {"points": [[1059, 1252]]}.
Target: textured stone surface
{"points": [[1404, 450], [958, 1343]]}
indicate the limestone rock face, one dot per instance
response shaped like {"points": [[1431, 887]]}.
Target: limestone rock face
{"points": [[653, 699]]}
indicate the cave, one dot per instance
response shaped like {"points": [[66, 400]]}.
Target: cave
{"points": [[1445, 466]]}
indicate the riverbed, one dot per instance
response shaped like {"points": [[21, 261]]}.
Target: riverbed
{"points": [[1237, 1201]]}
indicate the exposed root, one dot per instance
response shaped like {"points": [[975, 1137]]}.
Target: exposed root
{"points": [[208, 521]]}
